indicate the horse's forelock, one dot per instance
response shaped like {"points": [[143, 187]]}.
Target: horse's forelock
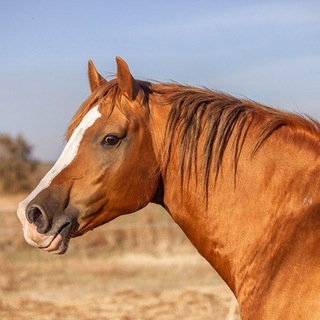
{"points": [[108, 90], [98, 97]]}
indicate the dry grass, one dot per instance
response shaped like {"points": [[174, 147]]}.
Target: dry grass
{"points": [[137, 267]]}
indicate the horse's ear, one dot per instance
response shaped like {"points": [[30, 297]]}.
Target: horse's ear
{"points": [[95, 79], [127, 84]]}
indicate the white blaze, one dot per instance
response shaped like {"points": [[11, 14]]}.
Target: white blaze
{"points": [[68, 154]]}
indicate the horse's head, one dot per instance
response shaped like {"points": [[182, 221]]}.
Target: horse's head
{"points": [[107, 168]]}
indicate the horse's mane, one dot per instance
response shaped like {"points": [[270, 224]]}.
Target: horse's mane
{"points": [[216, 116], [220, 118]]}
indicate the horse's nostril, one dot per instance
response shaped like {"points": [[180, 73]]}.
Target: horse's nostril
{"points": [[35, 215]]}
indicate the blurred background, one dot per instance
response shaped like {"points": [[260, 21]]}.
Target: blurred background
{"points": [[139, 266]]}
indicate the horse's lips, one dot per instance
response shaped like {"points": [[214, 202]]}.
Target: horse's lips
{"points": [[55, 244], [59, 244]]}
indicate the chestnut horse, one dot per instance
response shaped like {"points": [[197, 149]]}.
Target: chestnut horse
{"points": [[242, 180]]}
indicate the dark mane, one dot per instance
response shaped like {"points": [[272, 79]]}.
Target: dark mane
{"points": [[219, 118]]}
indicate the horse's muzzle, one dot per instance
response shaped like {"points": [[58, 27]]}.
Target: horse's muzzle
{"points": [[49, 221]]}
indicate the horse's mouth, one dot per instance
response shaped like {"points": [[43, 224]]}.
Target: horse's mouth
{"points": [[60, 241]]}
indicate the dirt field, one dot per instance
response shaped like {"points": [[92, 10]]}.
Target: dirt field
{"points": [[137, 267]]}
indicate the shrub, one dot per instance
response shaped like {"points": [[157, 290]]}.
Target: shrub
{"points": [[16, 164]]}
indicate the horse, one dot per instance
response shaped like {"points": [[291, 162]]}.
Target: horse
{"points": [[241, 179]]}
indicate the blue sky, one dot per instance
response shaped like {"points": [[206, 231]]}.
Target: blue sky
{"points": [[268, 51]]}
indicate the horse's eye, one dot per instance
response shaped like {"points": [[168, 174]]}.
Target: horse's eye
{"points": [[111, 140]]}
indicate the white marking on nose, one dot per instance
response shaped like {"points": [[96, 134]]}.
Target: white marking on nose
{"points": [[68, 154]]}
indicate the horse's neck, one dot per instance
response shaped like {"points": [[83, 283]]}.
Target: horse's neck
{"points": [[252, 232]]}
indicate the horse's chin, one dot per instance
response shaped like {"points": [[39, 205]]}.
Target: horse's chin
{"points": [[81, 231], [86, 225]]}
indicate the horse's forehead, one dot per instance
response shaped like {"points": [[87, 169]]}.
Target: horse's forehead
{"points": [[81, 118], [75, 140], [89, 118], [111, 106]]}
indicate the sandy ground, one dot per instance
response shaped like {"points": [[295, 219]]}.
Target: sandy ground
{"points": [[103, 284]]}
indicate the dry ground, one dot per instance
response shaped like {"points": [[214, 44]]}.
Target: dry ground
{"points": [[146, 273]]}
